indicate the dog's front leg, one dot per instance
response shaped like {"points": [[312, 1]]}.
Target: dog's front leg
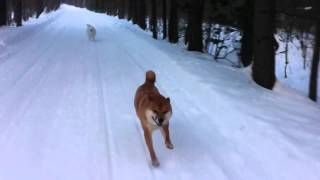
{"points": [[148, 138], [166, 135]]}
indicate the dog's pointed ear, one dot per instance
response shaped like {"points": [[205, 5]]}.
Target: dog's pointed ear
{"points": [[168, 99]]}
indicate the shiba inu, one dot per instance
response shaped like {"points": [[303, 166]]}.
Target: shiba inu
{"points": [[154, 112], [91, 32]]}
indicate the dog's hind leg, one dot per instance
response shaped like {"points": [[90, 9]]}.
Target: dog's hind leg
{"points": [[148, 139], [166, 135]]}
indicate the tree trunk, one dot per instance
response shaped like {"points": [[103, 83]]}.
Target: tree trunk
{"points": [[286, 49], [134, 11], [247, 31], [208, 35], [263, 69], [164, 18], [187, 31], [195, 18], [40, 7], [18, 12], [3, 12], [154, 19], [130, 10], [173, 22], [142, 14], [121, 7], [315, 60]]}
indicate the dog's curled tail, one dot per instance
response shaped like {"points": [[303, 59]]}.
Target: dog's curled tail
{"points": [[150, 77]]}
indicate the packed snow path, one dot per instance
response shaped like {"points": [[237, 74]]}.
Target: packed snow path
{"points": [[66, 109]]}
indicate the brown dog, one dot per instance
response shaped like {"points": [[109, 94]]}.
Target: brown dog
{"points": [[154, 112]]}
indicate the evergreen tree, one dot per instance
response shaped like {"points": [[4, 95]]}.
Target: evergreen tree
{"points": [[315, 60], [154, 19], [3, 12], [141, 11], [40, 7], [121, 7], [263, 69], [173, 22], [247, 32], [18, 12], [194, 30], [164, 18]]}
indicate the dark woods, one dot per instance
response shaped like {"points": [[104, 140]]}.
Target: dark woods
{"points": [[15, 11], [199, 23]]}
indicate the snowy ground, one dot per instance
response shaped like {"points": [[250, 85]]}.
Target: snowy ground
{"points": [[66, 109]]}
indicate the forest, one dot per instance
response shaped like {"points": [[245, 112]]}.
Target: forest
{"points": [[159, 89], [200, 23]]}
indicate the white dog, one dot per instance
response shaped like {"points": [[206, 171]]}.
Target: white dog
{"points": [[91, 32]]}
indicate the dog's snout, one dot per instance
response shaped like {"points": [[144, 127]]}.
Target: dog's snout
{"points": [[161, 120]]}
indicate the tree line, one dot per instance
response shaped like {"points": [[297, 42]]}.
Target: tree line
{"points": [[17, 11], [193, 20]]}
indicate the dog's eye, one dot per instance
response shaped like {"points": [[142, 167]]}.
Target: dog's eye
{"points": [[165, 112], [156, 112]]}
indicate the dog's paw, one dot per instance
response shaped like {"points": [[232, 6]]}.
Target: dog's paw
{"points": [[169, 145], [155, 163]]}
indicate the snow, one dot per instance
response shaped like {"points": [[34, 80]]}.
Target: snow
{"points": [[307, 8], [298, 76], [66, 109]]}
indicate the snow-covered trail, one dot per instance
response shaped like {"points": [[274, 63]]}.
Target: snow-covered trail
{"points": [[66, 109]]}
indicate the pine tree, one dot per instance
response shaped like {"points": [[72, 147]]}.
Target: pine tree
{"points": [[247, 31], [315, 60], [173, 22], [134, 11], [164, 18], [154, 19], [263, 69], [121, 7], [3, 12], [194, 30], [130, 10], [40, 7], [141, 11], [18, 12]]}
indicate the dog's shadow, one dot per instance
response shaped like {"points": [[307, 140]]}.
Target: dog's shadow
{"points": [[98, 40]]}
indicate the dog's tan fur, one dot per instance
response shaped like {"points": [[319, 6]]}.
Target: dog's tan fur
{"points": [[154, 111]]}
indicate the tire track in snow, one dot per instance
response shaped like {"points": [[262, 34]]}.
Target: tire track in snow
{"points": [[224, 170], [19, 66], [108, 68], [143, 69], [104, 110], [26, 99], [228, 165]]}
